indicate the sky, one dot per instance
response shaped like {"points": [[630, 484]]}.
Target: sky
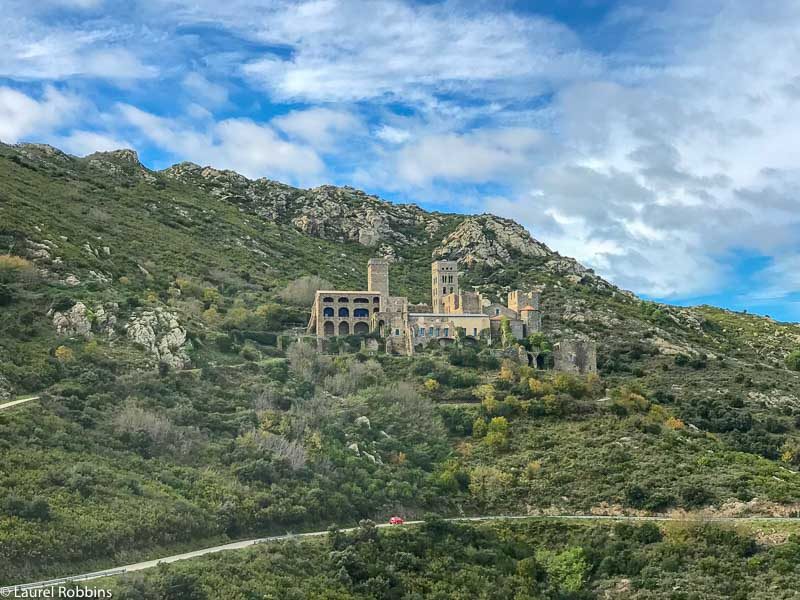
{"points": [[656, 141]]}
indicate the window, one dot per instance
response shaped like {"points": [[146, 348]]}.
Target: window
{"points": [[361, 313], [397, 332], [327, 311], [451, 290], [376, 299], [344, 312], [496, 311], [327, 299], [475, 331], [444, 290], [421, 332], [437, 330], [361, 301], [430, 331], [446, 332]]}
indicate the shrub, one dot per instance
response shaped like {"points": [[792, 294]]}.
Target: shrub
{"points": [[15, 268], [301, 291], [497, 433], [64, 354], [431, 385], [793, 360], [479, 428], [306, 363]]}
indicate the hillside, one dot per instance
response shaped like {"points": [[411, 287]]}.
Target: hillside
{"points": [[155, 311]]}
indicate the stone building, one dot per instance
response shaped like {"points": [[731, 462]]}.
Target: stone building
{"points": [[452, 314]]}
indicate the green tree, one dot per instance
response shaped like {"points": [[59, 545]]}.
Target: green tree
{"points": [[506, 335], [497, 435]]}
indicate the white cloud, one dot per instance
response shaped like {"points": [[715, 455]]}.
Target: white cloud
{"points": [[203, 91], [81, 143], [346, 50], [320, 127], [37, 45], [23, 117], [250, 148], [475, 157], [392, 135]]}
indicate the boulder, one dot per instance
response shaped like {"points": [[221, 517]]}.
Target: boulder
{"points": [[161, 335], [73, 322]]}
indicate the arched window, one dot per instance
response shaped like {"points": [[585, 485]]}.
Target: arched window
{"points": [[329, 328], [344, 299], [361, 313], [327, 299], [376, 299], [361, 328], [344, 311], [361, 300], [376, 309], [344, 328], [327, 311]]}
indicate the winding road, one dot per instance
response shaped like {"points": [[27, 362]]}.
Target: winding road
{"points": [[141, 566], [17, 402]]}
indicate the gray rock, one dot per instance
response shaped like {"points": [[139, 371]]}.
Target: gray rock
{"points": [[487, 239], [74, 322], [160, 334]]}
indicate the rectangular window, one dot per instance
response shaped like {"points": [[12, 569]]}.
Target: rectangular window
{"points": [[446, 332], [496, 311], [475, 331], [397, 332], [437, 330], [430, 331], [422, 332]]}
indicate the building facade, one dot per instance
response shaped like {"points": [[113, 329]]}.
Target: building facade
{"points": [[453, 313]]}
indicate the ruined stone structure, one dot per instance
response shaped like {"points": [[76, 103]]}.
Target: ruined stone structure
{"points": [[453, 314], [575, 356]]}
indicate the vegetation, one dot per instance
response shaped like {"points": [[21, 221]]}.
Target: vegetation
{"points": [[244, 428], [532, 559]]}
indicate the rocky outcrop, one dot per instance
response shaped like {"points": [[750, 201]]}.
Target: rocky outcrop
{"points": [[328, 212], [490, 240], [161, 335], [73, 322], [81, 321]]}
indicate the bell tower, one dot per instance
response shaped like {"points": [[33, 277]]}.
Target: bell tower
{"points": [[378, 276], [444, 281]]}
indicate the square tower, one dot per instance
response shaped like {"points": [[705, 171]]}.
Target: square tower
{"points": [[378, 276], [517, 300], [444, 281]]}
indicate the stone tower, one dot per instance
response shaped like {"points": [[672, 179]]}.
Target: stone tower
{"points": [[444, 281], [517, 300], [378, 277]]}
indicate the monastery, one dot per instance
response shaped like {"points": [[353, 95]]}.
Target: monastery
{"points": [[452, 314]]}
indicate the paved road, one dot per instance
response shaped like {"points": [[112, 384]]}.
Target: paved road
{"points": [[7, 591], [16, 402]]}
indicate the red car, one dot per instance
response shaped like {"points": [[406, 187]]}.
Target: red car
{"points": [[396, 521]]}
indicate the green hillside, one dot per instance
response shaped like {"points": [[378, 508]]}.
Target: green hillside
{"points": [[155, 313]]}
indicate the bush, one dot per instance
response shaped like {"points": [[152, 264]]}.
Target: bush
{"points": [[15, 268], [793, 360], [301, 291], [497, 434]]}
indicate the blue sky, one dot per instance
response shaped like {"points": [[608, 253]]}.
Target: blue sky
{"points": [[654, 140]]}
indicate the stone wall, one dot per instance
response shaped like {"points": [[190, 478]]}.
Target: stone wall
{"points": [[575, 356]]}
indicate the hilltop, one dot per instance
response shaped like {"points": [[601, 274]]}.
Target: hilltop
{"points": [[155, 312]]}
